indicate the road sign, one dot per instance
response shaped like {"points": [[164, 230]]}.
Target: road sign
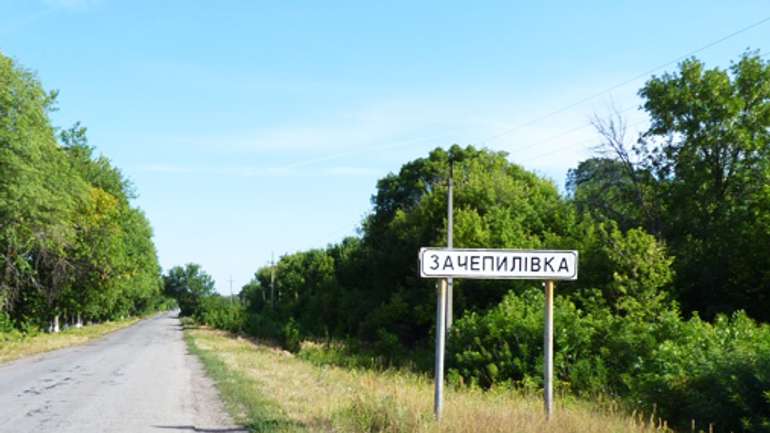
{"points": [[546, 265], [498, 264]]}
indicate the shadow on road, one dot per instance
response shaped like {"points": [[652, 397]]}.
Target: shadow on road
{"points": [[192, 428]]}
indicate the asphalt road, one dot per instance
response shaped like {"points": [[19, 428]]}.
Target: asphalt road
{"points": [[139, 379]]}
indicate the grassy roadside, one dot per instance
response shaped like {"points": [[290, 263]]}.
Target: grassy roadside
{"points": [[269, 390], [45, 342]]}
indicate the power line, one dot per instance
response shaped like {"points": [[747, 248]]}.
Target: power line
{"points": [[421, 141], [759, 54], [569, 131], [623, 83], [560, 148]]}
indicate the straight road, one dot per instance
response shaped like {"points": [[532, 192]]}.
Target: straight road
{"points": [[139, 379]]}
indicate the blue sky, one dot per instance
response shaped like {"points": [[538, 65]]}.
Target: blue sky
{"points": [[257, 127]]}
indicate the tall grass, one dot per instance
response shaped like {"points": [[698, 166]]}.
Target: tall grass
{"points": [[301, 396]]}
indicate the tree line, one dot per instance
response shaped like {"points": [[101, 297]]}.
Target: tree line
{"points": [[670, 309], [72, 246]]}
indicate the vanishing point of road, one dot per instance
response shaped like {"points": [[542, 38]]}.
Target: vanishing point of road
{"points": [[139, 379]]}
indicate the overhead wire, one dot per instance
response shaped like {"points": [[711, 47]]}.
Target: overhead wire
{"points": [[572, 144], [569, 131], [759, 54], [625, 82], [530, 122]]}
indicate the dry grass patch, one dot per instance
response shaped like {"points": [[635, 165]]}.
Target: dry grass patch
{"points": [[307, 397], [44, 342]]}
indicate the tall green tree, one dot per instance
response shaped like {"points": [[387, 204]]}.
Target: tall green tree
{"points": [[697, 179], [369, 287], [38, 196], [71, 244], [497, 205], [709, 146]]}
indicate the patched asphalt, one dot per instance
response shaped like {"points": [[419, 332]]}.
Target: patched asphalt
{"points": [[139, 379]]}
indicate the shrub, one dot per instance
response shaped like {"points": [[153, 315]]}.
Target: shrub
{"points": [[262, 326], [714, 373], [6, 324], [221, 313], [506, 344], [291, 337]]}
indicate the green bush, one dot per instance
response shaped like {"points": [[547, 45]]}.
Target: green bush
{"points": [[6, 324], [287, 333], [291, 336], [506, 344], [262, 326], [8, 331], [221, 313], [713, 373], [187, 322]]}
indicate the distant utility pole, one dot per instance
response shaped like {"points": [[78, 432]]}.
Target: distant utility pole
{"points": [[450, 229], [232, 299], [272, 281]]}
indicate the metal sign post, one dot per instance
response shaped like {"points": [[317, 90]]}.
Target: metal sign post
{"points": [[545, 265], [438, 400], [548, 351]]}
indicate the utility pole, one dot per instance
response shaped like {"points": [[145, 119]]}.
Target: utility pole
{"points": [[272, 281], [450, 229], [232, 299], [443, 313]]}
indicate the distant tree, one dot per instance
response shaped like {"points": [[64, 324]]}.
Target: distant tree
{"points": [[188, 285]]}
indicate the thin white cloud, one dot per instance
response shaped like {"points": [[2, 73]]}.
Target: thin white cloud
{"points": [[50, 7], [71, 4], [345, 144], [166, 168], [175, 169], [351, 171], [343, 133], [12, 26]]}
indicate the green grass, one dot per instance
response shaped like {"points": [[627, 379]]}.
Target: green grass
{"points": [[242, 395], [270, 390], [22, 346]]}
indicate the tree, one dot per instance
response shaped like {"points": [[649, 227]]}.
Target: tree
{"points": [[38, 196], [497, 205], [71, 243], [709, 147], [697, 179], [369, 287], [188, 285]]}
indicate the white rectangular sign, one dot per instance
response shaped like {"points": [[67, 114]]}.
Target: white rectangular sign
{"points": [[498, 264]]}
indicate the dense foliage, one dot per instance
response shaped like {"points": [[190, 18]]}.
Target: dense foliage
{"points": [[671, 228], [194, 292], [188, 285], [71, 243], [698, 179], [683, 370], [369, 287]]}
